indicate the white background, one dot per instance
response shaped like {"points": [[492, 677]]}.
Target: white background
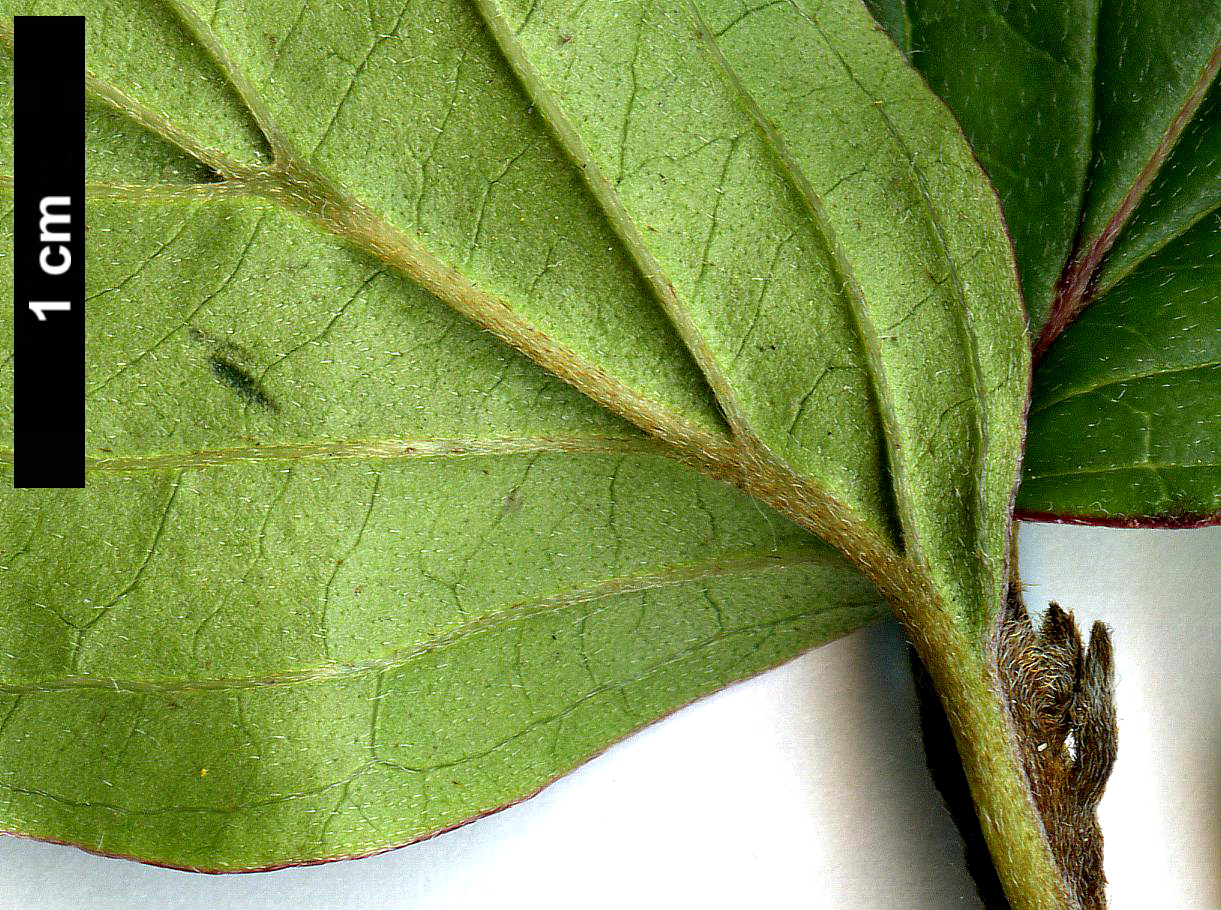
{"points": [[802, 788]]}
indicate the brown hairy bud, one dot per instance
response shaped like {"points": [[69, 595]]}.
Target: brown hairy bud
{"points": [[1062, 701]]}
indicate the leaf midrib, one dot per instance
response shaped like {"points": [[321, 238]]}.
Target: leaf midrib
{"points": [[863, 326], [962, 316], [608, 198], [899, 486]]}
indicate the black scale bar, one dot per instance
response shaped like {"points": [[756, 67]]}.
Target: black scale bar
{"points": [[49, 251]]}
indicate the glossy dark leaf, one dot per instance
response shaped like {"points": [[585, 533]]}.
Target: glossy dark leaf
{"points": [[1095, 121]]}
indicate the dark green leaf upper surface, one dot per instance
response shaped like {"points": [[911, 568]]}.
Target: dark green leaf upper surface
{"points": [[1020, 79], [1151, 59], [1096, 122], [1186, 189], [1114, 439]]}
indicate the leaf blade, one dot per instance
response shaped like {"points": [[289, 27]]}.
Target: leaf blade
{"points": [[769, 133], [192, 681], [1185, 190], [292, 376], [1126, 433], [1151, 179], [1036, 142], [1144, 43]]}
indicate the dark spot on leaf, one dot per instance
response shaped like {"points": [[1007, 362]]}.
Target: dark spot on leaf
{"points": [[246, 387], [511, 502]]}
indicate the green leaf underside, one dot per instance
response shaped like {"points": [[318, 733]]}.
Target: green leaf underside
{"points": [[369, 680], [515, 602], [1135, 434], [891, 262], [371, 571], [1086, 118]]}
